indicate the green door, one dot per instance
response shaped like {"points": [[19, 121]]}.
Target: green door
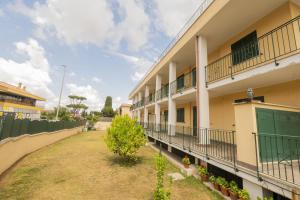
{"points": [[276, 131]]}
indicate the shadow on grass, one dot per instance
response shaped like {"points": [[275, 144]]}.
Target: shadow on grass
{"points": [[124, 162]]}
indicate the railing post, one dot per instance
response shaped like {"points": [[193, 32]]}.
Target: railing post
{"points": [[257, 168], [191, 137], [276, 63], [234, 150], [183, 137], [206, 143], [231, 73], [206, 75]]}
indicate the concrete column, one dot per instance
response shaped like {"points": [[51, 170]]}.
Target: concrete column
{"points": [[146, 109], [203, 97], [139, 110], [253, 189], [171, 103], [157, 106]]}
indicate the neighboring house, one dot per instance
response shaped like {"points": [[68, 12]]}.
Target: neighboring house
{"points": [[16, 100], [197, 98], [125, 109]]}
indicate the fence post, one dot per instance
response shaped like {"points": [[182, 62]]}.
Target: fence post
{"points": [[257, 169], [276, 63], [183, 138], [206, 143], [234, 150]]}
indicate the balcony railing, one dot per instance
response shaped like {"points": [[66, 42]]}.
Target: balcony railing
{"points": [[162, 93], [272, 46], [150, 99], [279, 156], [25, 103], [183, 82]]}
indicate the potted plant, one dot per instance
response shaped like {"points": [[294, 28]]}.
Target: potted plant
{"points": [[213, 180], [186, 161], [244, 195], [203, 173], [233, 190], [223, 185]]}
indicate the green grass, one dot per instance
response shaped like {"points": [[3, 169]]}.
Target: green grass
{"points": [[81, 167]]}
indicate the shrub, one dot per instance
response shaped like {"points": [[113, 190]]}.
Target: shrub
{"points": [[222, 182], [233, 187], [160, 193], [212, 179], [125, 137], [186, 160], [202, 171], [244, 194]]}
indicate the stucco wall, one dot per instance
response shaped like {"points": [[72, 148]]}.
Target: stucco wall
{"points": [[222, 109], [13, 149]]}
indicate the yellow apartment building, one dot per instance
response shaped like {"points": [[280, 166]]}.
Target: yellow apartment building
{"points": [[16, 100], [124, 109], [227, 93]]}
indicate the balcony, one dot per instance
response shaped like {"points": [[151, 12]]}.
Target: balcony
{"points": [[183, 83], [162, 93], [19, 102], [277, 44], [150, 99]]}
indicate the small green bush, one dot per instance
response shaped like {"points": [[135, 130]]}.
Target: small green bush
{"points": [[222, 182], [125, 137], [233, 187], [202, 171], [186, 160], [160, 193], [212, 179], [244, 194]]}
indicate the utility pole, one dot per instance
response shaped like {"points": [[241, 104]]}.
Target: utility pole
{"points": [[61, 90]]}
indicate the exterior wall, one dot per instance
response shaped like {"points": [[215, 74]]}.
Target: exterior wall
{"points": [[13, 149], [222, 108], [264, 25], [22, 111], [188, 114], [125, 110]]}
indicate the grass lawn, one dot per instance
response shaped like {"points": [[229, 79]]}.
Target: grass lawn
{"points": [[81, 167]]}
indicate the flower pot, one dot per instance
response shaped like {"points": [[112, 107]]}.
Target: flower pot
{"points": [[204, 178], [186, 166], [216, 186], [233, 196], [224, 191]]}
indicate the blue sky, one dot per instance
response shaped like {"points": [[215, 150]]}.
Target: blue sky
{"points": [[107, 45]]}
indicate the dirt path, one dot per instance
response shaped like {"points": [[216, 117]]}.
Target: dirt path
{"points": [[81, 167]]}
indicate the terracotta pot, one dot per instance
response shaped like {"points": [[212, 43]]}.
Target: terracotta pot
{"points": [[186, 166], [204, 178], [217, 186], [224, 191], [233, 196]]}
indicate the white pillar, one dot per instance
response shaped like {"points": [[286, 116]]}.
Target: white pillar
{"points": [[157, 106], [203, 96], [146, 109], [172, 103], [139, 109]]}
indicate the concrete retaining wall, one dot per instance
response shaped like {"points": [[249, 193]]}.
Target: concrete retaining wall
{"points": [[13, 149]]}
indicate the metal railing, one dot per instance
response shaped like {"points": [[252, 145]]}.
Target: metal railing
{"points": [[183, 82], [278, 156], [150, 99], [272, 46], [212, 143], [162, 93]]}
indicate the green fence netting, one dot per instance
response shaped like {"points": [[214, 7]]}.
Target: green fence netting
{"points": [[11, 127]]}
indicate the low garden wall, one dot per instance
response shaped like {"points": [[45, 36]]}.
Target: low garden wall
{"points": [[14, 148]]}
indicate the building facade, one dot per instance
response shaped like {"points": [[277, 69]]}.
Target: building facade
{"points": [[197, 98], [124, 109], [17, 101]]}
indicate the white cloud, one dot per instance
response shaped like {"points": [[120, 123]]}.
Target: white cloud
{"points": [[171, 15], [33, 72], [140, 65], [96, 80], [92, 22], [1, 13], [94, 100]]}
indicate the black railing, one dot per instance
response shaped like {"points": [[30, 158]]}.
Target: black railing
{"points": [[212, 143], [272, 46], [279, 156], [162, 93], [183, 82], [150, 99]]}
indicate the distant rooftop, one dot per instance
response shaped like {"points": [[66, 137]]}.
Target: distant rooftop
{"points": [[18, 90]]}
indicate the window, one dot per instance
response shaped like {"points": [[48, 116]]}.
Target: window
{"points": [[180, 82], [245, 48], [180, 115]]}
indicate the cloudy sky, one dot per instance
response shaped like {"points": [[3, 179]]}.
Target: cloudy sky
{"points": [[107, 45]]}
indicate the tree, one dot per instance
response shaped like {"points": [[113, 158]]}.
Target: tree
{"points": [[108, 111], [160, 192], [76, 104], [125, 137], [63, 114]]}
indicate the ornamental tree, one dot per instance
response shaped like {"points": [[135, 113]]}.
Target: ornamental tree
{"points": [[125, 137]]}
